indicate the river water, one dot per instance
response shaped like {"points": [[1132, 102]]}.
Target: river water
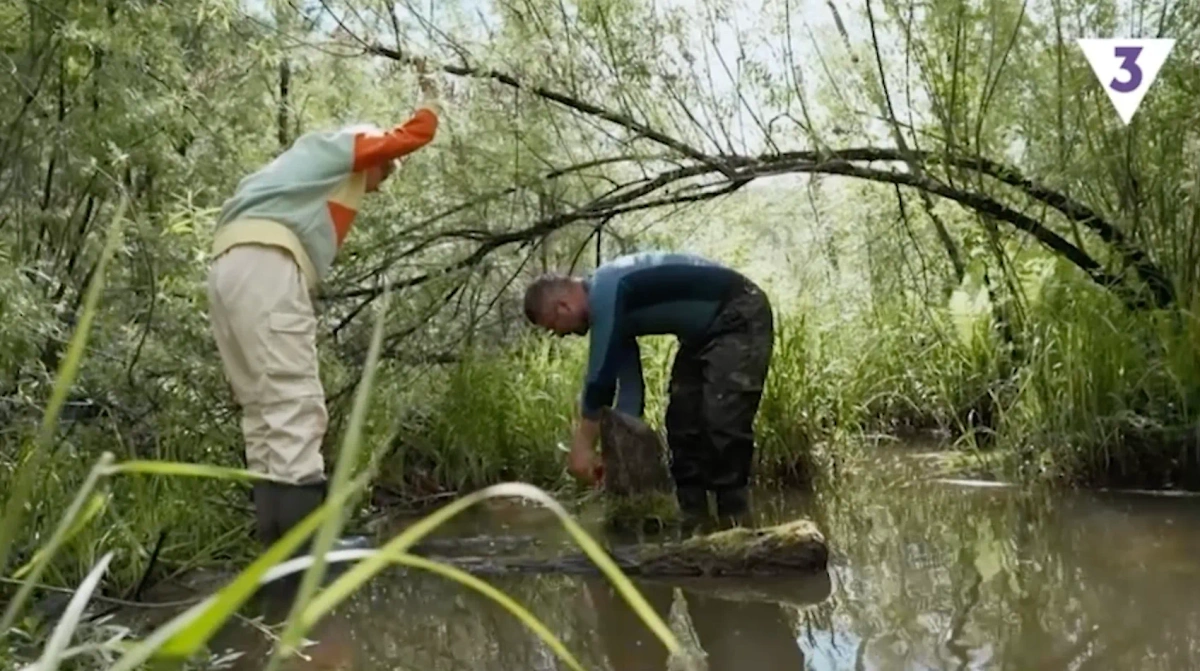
{"points": [[923, 575]]}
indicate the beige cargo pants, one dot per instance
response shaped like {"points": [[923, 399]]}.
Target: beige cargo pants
{"points": [[265, 329]]}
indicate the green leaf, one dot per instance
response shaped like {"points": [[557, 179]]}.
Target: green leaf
{"points": [[179, 468], [95, 505]]}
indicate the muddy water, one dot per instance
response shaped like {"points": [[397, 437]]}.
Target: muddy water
{"points": [[924, 576]]}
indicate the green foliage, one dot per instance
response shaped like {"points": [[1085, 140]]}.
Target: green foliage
{"points": [[878, 330], [491, 416], [184, 636]]}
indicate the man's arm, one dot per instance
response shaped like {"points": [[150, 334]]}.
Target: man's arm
{"points": [[630, 400], [418, 131], [604, 357], [606, 349], [631, 393]]}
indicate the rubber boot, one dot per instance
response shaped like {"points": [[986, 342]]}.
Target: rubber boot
{"points": [[279, 507], [266, 529], [693, 508], [296, 502], [733, 507]]}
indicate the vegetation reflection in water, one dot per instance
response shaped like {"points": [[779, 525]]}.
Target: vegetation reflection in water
{"points": [[925, 576]]}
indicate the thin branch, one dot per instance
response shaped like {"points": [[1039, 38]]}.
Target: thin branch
{"points": [[567, 101]]}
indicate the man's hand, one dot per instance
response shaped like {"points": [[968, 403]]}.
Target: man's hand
{"points": [[583, 462], [585, 465]]}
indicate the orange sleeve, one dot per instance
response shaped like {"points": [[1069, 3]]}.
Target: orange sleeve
{"points": [[373, 150]]}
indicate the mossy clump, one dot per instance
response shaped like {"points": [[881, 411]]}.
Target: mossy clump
{"points": [[792, 547], [639, 495], [634, 455], [647, 513]]}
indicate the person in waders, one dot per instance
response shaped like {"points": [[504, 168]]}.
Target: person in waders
{"points": [[275, 240], [725, 329]]}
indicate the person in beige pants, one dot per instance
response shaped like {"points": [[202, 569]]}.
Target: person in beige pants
{"points": [[274, 242]]}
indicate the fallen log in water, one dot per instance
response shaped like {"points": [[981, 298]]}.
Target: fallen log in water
{"points": [[786, 549], [476, 544], [639, 493]]}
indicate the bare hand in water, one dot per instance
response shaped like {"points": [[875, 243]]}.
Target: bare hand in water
{"points": [[585, 465]]}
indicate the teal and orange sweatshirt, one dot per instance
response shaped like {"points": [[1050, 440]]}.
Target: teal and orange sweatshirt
{"points": [[307, 198]]}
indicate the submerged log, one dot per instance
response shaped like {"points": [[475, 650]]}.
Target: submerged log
{"points": [[790, 548]]}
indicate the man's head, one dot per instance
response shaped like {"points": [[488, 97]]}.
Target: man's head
{"points": [[376, 175], [558, 303]]}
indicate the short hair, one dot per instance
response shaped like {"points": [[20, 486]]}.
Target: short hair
{"points": [[540, 290]]}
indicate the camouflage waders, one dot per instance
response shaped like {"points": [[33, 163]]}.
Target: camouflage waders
{"points": [[716, 385]]}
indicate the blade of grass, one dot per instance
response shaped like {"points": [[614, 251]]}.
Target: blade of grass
{"points": [[65, 629], [65, 377], [56, 540], [183, 468], [95, 505], [448, 571], [359, 574], [78, 650], [347, 456], [519, 611], [69, 521], [186, 633]]}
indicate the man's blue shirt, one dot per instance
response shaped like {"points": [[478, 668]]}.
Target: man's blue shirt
{"points": [[650, 293]]}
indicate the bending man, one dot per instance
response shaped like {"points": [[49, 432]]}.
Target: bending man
{"points": [[726, 333], [275, 241]]}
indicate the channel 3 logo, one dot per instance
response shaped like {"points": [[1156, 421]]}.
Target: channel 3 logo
{"points": [[1126, 68]]}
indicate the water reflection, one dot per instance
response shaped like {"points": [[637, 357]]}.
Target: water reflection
{"points": [[924, 576], [737, 625], [414, 621]]}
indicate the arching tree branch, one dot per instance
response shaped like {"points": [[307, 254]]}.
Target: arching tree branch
{"points": [[748, 170], [1157, 280]]}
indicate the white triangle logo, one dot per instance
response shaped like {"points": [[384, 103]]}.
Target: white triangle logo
{"points": [[1126, 68]]}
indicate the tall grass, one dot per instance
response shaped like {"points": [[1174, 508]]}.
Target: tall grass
{"points": [[1109, 396], [1097, 394], [498, 414], [34, 458]]}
